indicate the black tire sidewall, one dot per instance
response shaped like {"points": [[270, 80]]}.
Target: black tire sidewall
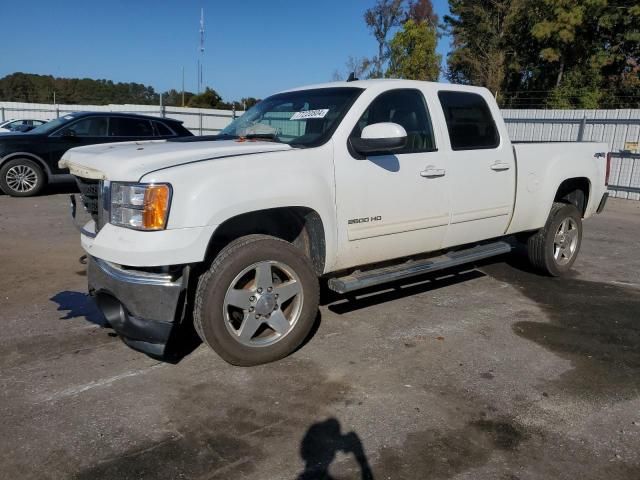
{"points": [[218, 280], [560, 215], [40, 182]]}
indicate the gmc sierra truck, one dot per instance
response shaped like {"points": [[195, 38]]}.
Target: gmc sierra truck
{"points": [[353, 183]]}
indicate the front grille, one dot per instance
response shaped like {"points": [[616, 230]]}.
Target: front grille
{"points": [[90, 192]]}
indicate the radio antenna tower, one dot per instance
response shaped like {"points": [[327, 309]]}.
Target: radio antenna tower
{"points": [[200, 74]]}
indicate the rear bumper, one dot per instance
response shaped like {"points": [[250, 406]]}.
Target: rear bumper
{"points": [[144, 308], [603, 202]]}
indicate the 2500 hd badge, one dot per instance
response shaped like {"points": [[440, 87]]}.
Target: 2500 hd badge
{"points": [[377, 218]]}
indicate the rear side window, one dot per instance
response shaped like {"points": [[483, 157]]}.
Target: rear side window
{"points": [[163, 130], [469, 121], [129, 127]]}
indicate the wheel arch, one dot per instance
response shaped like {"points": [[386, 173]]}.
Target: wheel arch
{"points": [[301, 226], [575, 191], [29, 156]]}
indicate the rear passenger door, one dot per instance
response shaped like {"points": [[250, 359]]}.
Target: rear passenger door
{"points": [[481, 166]]}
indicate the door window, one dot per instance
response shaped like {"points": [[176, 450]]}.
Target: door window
{"points": [[163, 130], [469, 121], [406, 108], [88, 127], [130, 127]]}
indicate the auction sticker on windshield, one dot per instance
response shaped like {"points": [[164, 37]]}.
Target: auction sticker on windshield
{"points": [[310, 114]]}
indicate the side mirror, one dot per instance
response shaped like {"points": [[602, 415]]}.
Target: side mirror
{"points": [[380, 138]]}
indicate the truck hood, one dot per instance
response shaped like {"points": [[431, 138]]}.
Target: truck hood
{"points": [[130, 161]]}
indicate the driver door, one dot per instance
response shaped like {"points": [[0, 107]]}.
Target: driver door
{"points": [[395, 204]]}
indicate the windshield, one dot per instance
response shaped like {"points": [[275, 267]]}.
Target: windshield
{"points": [[52, 125], [304, 118]]}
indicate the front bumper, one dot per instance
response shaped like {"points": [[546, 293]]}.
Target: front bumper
{"points": [[144, 308]]}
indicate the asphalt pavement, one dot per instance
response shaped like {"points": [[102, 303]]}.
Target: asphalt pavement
{"points": [[488, 373]]}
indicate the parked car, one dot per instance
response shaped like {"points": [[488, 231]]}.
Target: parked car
{"points": [[23, 125], [28, 161], [360, 183]]}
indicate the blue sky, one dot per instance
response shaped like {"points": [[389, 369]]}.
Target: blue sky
{"points": [[253, 47]]}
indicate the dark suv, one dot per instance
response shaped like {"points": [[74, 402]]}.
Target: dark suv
{"points": [[28, 161]]}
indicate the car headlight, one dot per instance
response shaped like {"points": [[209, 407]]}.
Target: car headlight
{"points": [[140, 206]]}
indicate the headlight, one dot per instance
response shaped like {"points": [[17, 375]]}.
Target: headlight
{"points": [[140, 206]]}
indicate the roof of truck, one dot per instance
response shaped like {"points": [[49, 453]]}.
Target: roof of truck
{"points": [[384, 82]]}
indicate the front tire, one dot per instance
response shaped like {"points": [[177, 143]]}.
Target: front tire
{"points": [[553, 249], [257, 302], [22, 177]]}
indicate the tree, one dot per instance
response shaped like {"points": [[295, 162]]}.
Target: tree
{"points": [[412, 52], [480, 31], [248, 102], [207, 99], [359, 66], [381, 19], [420, 10], [550, 53]]}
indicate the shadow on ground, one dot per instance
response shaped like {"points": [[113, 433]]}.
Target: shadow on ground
{"points": [[370, 297], [78, 305], [594, 325], [320, 445]]}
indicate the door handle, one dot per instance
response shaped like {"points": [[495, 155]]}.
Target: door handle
{"points": [[431, 172], [499, 166]]}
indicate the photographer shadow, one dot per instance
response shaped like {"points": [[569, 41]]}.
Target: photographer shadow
{"points": [[320, 445]]}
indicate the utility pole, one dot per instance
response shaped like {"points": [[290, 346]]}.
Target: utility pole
{"points": [[183, 85], [200, 67]]}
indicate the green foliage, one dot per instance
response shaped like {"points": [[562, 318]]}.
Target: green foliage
{"points": [[384, 16], [480, 46], [549, 53], [383, 19], [26, 87], [412, 52], [207, 99]]}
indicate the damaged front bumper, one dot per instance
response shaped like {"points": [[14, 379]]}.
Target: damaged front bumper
{"points": [[144, 308]]}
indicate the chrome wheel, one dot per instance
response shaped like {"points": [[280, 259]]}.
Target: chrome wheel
{"points": [[21, 178], [565, 242], [263, 303]]}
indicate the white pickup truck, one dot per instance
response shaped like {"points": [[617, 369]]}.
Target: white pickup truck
{"points": [[353, 183]]}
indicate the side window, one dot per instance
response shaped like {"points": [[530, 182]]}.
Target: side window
{"points": [[88, 127], [406, 108], [469, 121], [130, 127], [163, 130]]}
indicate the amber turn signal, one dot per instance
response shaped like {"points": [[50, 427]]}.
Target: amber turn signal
{"points": [[156, 207]]}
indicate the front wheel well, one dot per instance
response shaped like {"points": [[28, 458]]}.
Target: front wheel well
{"points": [[300, 226], [575, 191], [27, 156]]}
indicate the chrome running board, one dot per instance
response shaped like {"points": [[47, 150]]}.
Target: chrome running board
{"points": [[359, 280]]}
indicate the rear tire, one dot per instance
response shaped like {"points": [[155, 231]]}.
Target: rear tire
{"points": [[22, 177], [553, 249], [257, 302]]}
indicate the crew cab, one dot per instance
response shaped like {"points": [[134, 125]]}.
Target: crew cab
{"points": [[351, 183], [28, 161]]}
